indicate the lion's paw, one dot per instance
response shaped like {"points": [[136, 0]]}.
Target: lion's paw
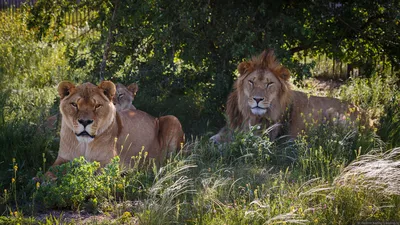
{"points": [[216, 139]]}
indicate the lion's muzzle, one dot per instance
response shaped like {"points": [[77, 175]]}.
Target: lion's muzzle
{"points": [[85, 134], [258, 107], [83, 131], [258, 110]]}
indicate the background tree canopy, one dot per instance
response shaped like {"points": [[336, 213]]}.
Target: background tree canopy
{"points": [[184, 54]]}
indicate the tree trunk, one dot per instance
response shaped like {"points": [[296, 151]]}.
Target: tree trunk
{"points": [[333, 67], [108, 42], [349, 70]]}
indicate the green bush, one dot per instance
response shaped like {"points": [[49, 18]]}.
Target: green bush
{"points": [[29, 70], [79, 185], [379, 97], [390, 123], [371, 94]]}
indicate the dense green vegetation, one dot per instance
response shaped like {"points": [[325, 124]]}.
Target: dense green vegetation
{"points": [[183, 54], [189, 50]]}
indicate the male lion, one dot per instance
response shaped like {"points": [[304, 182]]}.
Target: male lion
{"points": [[262, 96], [91, 127], [124, 96]]}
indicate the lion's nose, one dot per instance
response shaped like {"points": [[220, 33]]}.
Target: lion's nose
{"points": [[258, 99], [85, 122]]}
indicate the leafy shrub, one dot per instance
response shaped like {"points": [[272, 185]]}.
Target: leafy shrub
{"points": [[371, 94], [29, 70], [390, 123], [80, 186], [379, 96], [31, 150]]}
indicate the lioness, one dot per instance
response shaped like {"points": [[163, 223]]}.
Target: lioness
{"points": [[124, 96], [93, 128], [122, 100], [262, 96]]}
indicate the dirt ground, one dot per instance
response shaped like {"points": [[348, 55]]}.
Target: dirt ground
{"points": [[323, 87]]}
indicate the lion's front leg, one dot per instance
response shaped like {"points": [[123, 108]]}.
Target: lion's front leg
{"points": [[58, 161], [223, 136], [274, 131]]}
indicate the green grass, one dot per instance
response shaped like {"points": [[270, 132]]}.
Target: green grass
{"points": [[247, 181]]}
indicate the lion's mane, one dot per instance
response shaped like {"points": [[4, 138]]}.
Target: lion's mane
{"points": [[236, 107]]}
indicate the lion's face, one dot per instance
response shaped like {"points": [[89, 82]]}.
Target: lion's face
{"points": [[87, 109], [124, 96], [261, 89]]}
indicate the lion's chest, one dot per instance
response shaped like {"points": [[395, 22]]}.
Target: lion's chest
{"points": [[81, 149], [95, 152], [84, 150]]}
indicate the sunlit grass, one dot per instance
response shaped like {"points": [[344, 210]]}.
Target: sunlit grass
{"points": [[251, 180]]}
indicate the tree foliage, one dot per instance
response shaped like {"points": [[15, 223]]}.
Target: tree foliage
{"points": [[190, 49]]}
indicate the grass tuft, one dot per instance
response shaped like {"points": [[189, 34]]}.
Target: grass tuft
{"points": [[379, 172], [162, 204]]}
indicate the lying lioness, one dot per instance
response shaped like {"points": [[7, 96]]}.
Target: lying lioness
{"points": [[122, 100], [91, 127], [262, 96], [124, 96]]}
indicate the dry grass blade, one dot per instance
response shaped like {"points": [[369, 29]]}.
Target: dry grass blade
{"points": [[320, 190], [286, 218], [171, 182], [380, 172]]}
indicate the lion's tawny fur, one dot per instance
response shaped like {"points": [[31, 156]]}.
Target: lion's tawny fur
{"points": [[89, 108], [124, 96], [262, 95], [170, 135]]}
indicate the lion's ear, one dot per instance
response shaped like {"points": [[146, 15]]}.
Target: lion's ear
{"points": [[243, 67], [108, 88], [285, 74], [65, 88], [269, 57], [134, 88]]}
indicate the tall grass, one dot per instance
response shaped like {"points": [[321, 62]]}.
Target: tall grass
{"points": [[229, 184], [377, 172], [371, 94], [165, 196]]}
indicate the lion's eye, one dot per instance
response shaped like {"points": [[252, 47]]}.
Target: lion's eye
{"points": [[270, 83], [74, 104], [251, 82], [98, 106], [120, 95]]}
